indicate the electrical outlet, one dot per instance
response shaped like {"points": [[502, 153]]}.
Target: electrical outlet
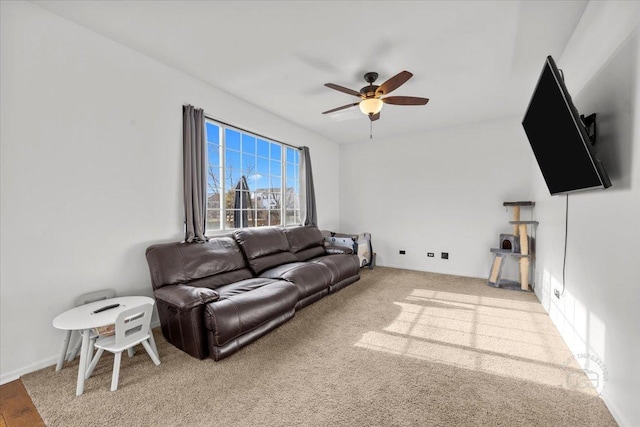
{"points": [[402, 252], [444, 255], [556, 293], [430, 254]]}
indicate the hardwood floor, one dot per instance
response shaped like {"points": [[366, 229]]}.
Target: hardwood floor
{"points": [[16, 407]]}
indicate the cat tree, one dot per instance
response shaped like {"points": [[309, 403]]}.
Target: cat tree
{"points": [[518, 245]]}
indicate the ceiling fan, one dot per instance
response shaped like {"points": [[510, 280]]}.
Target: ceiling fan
{"points": [[372, 95]]}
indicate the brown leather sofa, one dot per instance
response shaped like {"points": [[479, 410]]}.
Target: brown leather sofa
{"points": [[214, 298]]}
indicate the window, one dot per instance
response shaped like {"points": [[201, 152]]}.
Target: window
{"points": [[251, 181]]}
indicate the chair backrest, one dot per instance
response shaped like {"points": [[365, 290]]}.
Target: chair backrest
{"points": [[132, 325], [95, 296]]}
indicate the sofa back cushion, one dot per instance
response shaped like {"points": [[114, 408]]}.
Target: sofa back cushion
{"points": [[264, 247], [305, 242], [210, 264]]}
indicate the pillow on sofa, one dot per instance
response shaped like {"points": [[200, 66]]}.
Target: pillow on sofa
{"points": [[264, 247], [305, 242]]}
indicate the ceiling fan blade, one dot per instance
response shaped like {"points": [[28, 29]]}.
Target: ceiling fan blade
{"points": [[405, 100], [393, 83], [341, 108], [343, 89], [374, 117]]}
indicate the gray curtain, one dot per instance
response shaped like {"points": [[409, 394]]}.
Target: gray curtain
{"points": [[310, 217], [195, 179]]}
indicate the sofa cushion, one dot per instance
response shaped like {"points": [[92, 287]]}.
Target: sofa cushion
{"points": [[307, 254], [264, 247], [310, 278], [175, 263], [340, 266], [243, 286], [305, 242], [301, 238], [241, 312]]}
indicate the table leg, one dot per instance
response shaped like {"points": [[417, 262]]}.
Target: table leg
{"points": [[152, 341], [82, 368], [63, 352]]}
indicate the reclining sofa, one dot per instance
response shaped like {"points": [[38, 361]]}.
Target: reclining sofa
{"points": [[214, 298]]}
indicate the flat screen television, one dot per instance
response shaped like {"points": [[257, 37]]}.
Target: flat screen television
{"points": [[559, 138]]}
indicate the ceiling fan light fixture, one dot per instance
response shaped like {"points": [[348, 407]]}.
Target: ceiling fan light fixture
{"points": [[371, 106]]}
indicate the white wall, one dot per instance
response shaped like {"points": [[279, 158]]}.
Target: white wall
{"points": [[91, 170], [598, 315], [440, 191]]}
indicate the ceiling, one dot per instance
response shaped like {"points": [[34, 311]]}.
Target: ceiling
{"points": [[475, 60]]}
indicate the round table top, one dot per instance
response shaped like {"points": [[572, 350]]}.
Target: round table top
{"points": [[83, 316]]}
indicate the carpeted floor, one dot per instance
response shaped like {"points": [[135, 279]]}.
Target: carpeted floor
{"points": [[396, 348]]}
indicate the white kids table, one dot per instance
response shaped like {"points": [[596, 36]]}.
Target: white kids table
{"points": [[88, 316]]}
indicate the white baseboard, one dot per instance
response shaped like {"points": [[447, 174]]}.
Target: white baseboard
{"points": [[622, 422], [50, 361], [14, 375]]}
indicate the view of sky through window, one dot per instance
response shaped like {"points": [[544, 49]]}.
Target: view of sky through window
{"points": [[251, 181]]}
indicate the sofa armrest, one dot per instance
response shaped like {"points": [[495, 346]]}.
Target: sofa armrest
{"points": [[338, 250], [185, 297]]}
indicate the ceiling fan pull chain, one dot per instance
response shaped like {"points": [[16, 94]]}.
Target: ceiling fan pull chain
{"points": [[370, 130]]}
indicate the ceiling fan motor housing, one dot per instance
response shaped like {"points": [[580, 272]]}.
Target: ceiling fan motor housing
{"points": [[369, 91]]}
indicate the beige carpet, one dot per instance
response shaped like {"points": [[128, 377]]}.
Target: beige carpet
{"points": [[396, 348]]}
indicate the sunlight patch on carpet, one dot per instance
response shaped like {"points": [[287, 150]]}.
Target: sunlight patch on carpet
{"points": [[498, 336]]}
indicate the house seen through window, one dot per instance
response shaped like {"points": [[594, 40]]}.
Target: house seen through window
{"points": [[251, 181]]}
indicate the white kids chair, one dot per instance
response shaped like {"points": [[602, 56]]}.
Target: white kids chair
{"points": [[132, 328]]}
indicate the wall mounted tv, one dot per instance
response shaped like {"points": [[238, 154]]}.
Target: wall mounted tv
{"points": [[559, 138]]}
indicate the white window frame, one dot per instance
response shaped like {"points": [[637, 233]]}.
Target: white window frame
{"points": [[223, 173]]}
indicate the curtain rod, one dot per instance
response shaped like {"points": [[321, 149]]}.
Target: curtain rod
{"points": [[248, 131]]}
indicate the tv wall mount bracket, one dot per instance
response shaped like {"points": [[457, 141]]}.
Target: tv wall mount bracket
{"points": [[590, 124]]}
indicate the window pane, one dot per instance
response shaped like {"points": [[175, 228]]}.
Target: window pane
{"points": [[292, 171], [248, 164], [213, 133], [275, 200], [232, 160], [292, 155], [251, 184], [293, 185], [213, 201], [228, 219], [262, 218], [293, 217], [276, 168], [232, 139], [274, 217], [275, 183], [262, 166], [213, 154], [248, 144], [213, 179], [213, 219], [229, 197], [262, 183], [276, 151], [263, 148], [292, 199], [261, 200]]}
